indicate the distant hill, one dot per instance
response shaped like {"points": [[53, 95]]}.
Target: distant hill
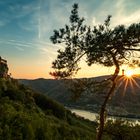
{"points": [[125, 101]]}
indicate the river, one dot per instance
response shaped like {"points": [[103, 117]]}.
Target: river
{"points": [[86, 114], [92, 116]]}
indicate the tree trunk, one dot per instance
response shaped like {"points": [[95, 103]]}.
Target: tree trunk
{"points": [[103, 107]]}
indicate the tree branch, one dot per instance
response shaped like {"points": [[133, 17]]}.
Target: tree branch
{"points": [[132, 49]]}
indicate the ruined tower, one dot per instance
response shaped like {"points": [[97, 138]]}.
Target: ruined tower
{"points": [[3, 68]]}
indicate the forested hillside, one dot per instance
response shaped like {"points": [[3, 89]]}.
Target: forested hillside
{"points": [[28, 115], [125, 101]]}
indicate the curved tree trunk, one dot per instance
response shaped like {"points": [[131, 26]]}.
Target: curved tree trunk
{"points": [[103, 107]]}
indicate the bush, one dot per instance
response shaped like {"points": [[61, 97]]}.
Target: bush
{"points": [[46, 103], [122, 130]]}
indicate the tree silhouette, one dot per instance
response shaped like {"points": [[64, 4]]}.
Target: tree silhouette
{"points": [[99, 45]]}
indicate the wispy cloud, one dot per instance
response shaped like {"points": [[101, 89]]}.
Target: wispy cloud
{"points": [[15, 10], [49, 16], [19, 48], [127, 20], [47, 48], [28, 15], [19, 10], [119, 10], [20, 45]]}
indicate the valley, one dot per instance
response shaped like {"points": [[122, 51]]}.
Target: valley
{"points": [[125, 101]]}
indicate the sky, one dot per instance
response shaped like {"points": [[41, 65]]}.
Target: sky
{"points": [[26, 27]]}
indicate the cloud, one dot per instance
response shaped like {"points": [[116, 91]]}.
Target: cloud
{"points": [[19, 10], [19, 45], [126, 19], [119, 9], [19, 48], [51, 15], [48, 48], [46, 15], [14, 10], [95, 22]]}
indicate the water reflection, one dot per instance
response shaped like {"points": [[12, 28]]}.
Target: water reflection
{"points": [[92, 116], [86, 114]]}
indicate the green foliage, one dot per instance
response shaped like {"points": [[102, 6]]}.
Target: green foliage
{"points": [[122, 130], [38, 117], [28, 115], [44, 102]]}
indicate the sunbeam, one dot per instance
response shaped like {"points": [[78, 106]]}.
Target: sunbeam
{"points": [[125, 86], [128, 81], [132, 86], [134, 81]]}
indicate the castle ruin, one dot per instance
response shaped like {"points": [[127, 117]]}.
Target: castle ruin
{"points": [[3, 68]]}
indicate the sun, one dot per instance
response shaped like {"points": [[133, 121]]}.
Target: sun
{"points": [[129, 73]]}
